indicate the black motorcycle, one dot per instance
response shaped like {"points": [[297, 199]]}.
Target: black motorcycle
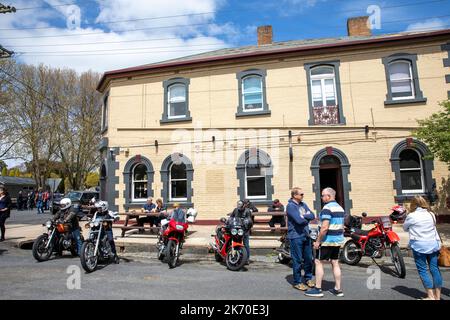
{"points": [[58, 238], [97, 248], [284, 251]]}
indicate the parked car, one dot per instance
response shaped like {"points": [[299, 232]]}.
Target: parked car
{"points": [[79, 199], [54, 204]]}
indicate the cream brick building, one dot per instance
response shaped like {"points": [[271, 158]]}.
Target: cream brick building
{"points": [[252, 122]]}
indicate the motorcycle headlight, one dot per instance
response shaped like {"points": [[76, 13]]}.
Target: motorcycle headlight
{"points": [[91, 224], [234, 232], [240, 232], [48, 224]]}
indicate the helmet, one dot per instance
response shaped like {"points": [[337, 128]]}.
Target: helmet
{"points": [[191, 214], [240, 204], [65, 203], [102, 206], [398, 213], [92, 201]]}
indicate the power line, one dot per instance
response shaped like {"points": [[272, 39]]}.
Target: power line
{"points": [[200, 24]]}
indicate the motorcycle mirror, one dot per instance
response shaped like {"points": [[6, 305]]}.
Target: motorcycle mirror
{"points": [[364, 214], [223, 220]]}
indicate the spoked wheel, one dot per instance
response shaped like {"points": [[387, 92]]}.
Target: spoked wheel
{"points": [[172, 253], [89, 260], [351, 253], [398, 261], [42, 252], [236, 258]]}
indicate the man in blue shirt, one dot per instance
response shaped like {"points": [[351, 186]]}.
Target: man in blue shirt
{"points": [[328, 243], [148, 208], [299, 217]]}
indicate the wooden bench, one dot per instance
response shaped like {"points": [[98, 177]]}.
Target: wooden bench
{"points": [[136, 215]]}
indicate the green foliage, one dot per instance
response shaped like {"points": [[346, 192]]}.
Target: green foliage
{"points": [[435, 132], [92, 179], [4, 171]]}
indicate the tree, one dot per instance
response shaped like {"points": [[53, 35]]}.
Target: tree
{"points": [[92, 179], [4, 171], [435, 132]]}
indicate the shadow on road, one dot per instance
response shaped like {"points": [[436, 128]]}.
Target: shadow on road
{"points": [[385, 268], [3, 251], [326, 285], [411, 292]]}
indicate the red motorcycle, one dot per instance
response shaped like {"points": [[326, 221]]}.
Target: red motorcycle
{"points": [[373, 243]]}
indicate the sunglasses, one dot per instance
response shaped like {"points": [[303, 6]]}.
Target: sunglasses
{"points": [[300, 194], [325, 195]]}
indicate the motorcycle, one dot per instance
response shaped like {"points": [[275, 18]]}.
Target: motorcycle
{"points": [[57, 239], [97, 247], [373, 243], [229, 244], [172, 237], [284, 251]]}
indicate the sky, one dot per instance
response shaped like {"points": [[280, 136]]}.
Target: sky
{"points": [[104, 35], [107, 35]]}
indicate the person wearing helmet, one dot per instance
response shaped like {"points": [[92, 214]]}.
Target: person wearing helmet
{"points": [[102, 210], [70, 216], [245, 213]]}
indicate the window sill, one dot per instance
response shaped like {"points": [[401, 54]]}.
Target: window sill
{"points": [[405, 101], [186, 119], [410, 196], [252, 113], [261, 201]]}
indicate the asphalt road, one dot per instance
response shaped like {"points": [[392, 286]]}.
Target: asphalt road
{"points": [[142, 276]]}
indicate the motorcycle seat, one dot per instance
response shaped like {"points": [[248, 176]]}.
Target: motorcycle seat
{"points": [[361, 232]]}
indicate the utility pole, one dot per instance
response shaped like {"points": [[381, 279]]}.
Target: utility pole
{"points": [[4, 53]]}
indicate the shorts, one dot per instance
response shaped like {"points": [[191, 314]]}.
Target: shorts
{"points": [[328, 253]]}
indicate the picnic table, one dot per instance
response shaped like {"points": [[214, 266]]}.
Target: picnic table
{"points": [[134, 214]]}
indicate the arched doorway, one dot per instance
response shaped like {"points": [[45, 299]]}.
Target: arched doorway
{"points": [[330, 168], [330, 175]]}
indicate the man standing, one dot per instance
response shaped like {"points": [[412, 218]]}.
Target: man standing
{"points": [[299, 216], [328, 243]]}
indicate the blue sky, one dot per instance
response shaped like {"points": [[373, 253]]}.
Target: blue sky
{"points": [[123, 33]]}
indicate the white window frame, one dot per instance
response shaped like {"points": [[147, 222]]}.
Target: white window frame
{"points": [[169, 116], [406, 191], [322, 78], [244, 109], [136, 181], [246, 183], [170, 184], [410, 79]]}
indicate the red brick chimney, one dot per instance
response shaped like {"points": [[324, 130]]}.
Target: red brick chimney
{"points": [[358, 26], [264, 35]]}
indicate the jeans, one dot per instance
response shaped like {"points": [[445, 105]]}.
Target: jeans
{"points": [[109, 234], [301, 253], [425, 262], [247, 244], [76, 234], [3, 218], [40, 206]]}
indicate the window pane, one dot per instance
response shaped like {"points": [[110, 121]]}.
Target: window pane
{"points": [[140, 190], [253, 101], [256, 186], [329, 160], [322, 71], [331, 103], [409, 159], [177, 109], [179, 189], [401, 88], [316, 89], [177, 93], [252, 84], [253, 171], [178, 171], [411, 180], [318, 104], [399, 70], [329, 87], [140, 172]]}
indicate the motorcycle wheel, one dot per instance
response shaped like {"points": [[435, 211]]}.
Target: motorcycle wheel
{"points": [[237, 261], [398, 261], [172, 256], [350, 255], [40, 253], [89, 261]]}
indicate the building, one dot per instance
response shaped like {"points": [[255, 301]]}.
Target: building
{"points": [[251, 122], [16, 184]]}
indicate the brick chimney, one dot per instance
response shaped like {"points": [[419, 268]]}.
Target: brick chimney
{"points": [[264, 35], [358, 26]]}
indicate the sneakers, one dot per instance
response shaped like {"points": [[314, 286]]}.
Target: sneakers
{"points": [[301, 286], [337, 293], [311, 283], [314, 292]]}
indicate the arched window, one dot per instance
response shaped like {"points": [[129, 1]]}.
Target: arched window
{"points": [[178, 182], [139, 183], [176, 101], [177, 175], [411, 171], [401, 80], [255, 181], [252, 93]]}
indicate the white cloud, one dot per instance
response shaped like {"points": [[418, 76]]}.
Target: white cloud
{"points": [[128, 51], [428, 25], [292, 7]]}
